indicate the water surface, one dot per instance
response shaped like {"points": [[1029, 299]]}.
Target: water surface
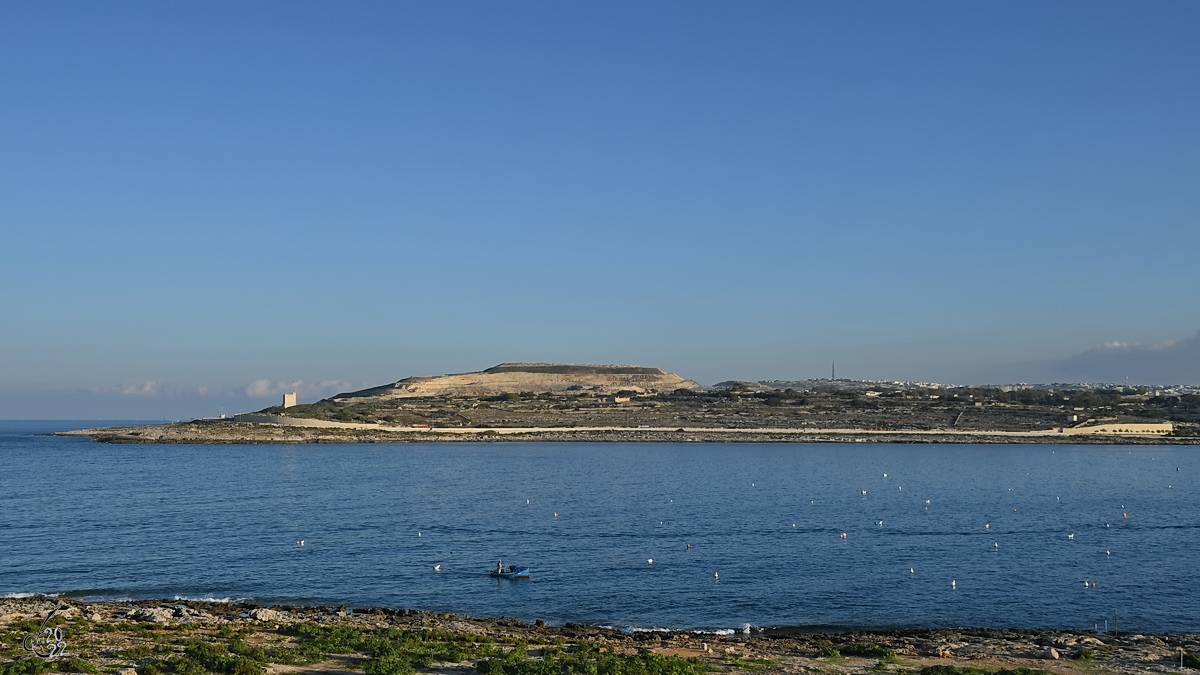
{"points": [[151, 521]]}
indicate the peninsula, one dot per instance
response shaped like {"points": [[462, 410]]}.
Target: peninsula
{"points": [[571, 402]]}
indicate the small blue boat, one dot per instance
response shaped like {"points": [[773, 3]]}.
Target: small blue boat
{"points": [[513, 572]]}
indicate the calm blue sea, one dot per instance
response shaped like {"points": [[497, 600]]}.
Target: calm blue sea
{"points": [[102, 521]]}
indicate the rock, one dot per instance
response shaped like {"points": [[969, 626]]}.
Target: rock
{"points": [[152, 614], [944, 653], [1051, 653], [127, 671], [96, 616], [1091, 642], [265, 615]]}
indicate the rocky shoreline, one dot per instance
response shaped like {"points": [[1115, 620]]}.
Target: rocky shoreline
{"points": [[204, 432], [192, 637]]}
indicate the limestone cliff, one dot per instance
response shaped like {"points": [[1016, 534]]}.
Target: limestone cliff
{"points": [[530, 377]]}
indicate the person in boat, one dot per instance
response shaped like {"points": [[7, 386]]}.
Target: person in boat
{"points": [[500, 567]]}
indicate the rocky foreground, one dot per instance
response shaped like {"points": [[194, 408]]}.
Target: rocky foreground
{"points": [[195, 638]]}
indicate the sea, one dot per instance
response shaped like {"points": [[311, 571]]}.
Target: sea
{"points": [[695, 536]]}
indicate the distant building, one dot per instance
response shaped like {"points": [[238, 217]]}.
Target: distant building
{"points": [[289, 400]]}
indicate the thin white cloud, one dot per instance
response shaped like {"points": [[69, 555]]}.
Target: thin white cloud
{"points": [[265, 388], [148, 388]]}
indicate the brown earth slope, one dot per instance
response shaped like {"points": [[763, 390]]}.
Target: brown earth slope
{"points": [[529, 377]]}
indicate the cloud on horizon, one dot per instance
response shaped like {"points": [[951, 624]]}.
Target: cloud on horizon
{"points": [[152, 400], [1176, 362]]}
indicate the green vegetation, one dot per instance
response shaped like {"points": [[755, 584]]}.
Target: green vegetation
{"points": [[30, 665], [1084, 654], [587, 659], [1191, 660], [869, 651]]}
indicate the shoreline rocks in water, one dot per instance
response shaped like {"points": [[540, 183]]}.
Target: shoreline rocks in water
{"points": [[191, 637]]}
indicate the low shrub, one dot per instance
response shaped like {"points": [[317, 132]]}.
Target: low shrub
{"points": [[137, 652], [869, 651]]}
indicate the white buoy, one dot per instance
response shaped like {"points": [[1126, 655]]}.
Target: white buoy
{"points": [[650, 561], [437, 568], [953, 584], [793, 524], [996, 545], [1108, 553], [987, 526], [911, 571], [926, 501], [885, 475], [1070, 536], [716, 576], [418, 534], [864, 492], [880, 523]]}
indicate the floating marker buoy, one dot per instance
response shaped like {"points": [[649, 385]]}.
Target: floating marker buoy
{"points": [[1124, 515], [1093, 584], [418, 534], [555, 514], [880, 523], [1070, 536], [1086, 585], [996, 546], [716, 576], [864, 492], [953, 584], [987, 526], [437, 568], [911, 571], [1108, 553], [526, 501], [843, 535], [885, 475], [926, 501], [899, 488], [793, 524], [650, 561], [688, 546]]}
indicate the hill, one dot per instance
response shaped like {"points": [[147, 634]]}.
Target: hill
{"points": [[537, 378]]}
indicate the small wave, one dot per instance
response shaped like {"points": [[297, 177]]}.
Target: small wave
{"points": [[744, 629], [24, 596], [209, 598]]}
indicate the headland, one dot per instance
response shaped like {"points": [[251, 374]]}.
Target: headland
{"points": [[621, 403]]}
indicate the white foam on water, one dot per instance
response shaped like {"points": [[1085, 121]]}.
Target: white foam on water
{"points": [[209, 598]]}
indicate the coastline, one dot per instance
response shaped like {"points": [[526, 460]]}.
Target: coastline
{"points": [[120, 636], [205, 432]]}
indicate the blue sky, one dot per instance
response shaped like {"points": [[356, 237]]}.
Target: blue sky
{"points": [[196, 198]]}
